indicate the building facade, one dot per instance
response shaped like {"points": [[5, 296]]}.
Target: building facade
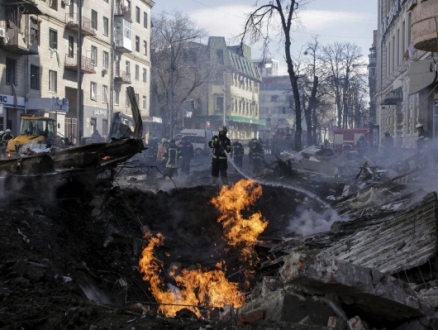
{"points": [[231, 96], [404, 79], [41, 55]]}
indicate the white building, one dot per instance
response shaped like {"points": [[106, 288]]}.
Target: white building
{"points": [[39, 61]]}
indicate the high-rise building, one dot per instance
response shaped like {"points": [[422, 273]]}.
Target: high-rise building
{"points": [[45, 44]]}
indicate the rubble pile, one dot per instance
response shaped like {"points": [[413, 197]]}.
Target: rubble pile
{"points": [[351, 245]]}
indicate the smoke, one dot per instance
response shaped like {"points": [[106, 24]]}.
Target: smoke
{"points": [[309, 222]]}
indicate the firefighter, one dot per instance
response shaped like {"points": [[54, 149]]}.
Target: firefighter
{"points": [[160, 153], [362, 145], [237, 151], [256, 155], [423, 138], [221, 145], [387, 143], [172, 156], [187, 153]]}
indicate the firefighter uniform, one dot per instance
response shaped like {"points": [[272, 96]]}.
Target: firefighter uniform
{"points": [[237, 152], [256, 155], [171, 157], [221, 145]]}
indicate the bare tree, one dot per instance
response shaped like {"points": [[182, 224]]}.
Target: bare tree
{"points": [[259, 26], [342, 62], [179, 65]]}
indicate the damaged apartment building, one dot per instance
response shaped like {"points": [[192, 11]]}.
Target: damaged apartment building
{"points": [[406, 69], [40, 62]]}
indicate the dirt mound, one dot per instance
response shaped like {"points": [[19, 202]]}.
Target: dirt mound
{"points": [[73, 262]]}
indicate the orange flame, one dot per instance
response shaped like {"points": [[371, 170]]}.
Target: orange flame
{"points": [[239, 231], [198, 288], [195, 287]]}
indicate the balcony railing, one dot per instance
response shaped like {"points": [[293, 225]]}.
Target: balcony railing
{"points": [[87, 64], [19, 42], [122, 76], [122, 11], [72, 21]]}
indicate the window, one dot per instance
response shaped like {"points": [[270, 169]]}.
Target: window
{"points": [[35, 77], [93, 55], [145, 48], [11, 75], [145, 20], [137, 98], [274, 98], [93, 89], [71, 46], [145, 75], [128, 67], [53, 4], [116, 96], [104, 94], [105, 60], [137, 43], [105, 26], [53, 81], [219, 103], [137, 14], [144, 102], [137, 72], [53, 39], [94, 19]]}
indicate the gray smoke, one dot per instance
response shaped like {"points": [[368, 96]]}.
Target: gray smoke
{"points": [[309, 222]]}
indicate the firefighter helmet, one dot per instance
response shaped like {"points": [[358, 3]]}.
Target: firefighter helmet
{"points": [[223, 129]]}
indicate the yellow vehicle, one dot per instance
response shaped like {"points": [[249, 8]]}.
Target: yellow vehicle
{"points": [[33, 130]]}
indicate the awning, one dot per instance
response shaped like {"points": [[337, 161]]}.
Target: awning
{"points": [[421, 75], [237, 119]]}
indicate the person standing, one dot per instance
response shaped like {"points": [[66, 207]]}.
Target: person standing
{"points": [[387, 144], [171, 157], [362, 145], [423, 137], [237, 151], [187, 153], [160, 153], [221, 145], [256, 155]]}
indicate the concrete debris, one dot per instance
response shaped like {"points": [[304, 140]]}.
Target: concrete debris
{"points": [[405, 241], [370, 291], [287, 306]]}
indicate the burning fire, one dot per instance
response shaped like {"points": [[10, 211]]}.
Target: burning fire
{"points": [[239, 231], [197, 288]]}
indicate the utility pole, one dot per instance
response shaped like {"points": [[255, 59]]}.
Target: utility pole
{"points": [[171, 89], [224, 116], [79, 107]]}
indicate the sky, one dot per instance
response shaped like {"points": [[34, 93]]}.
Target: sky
{"points": [[330, 20]]}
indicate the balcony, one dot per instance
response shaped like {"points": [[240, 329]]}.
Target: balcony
{"points": [[71, 63], [19, 42], [124, 12], [424, 32], [72, 22], [122, 77], [26, 6]]}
